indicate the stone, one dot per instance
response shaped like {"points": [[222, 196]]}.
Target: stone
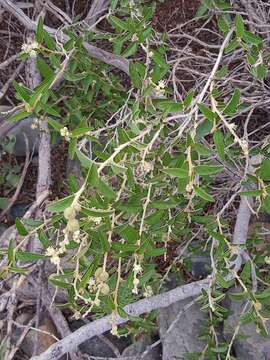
{"points": [[201, 266], [3, 228], [98, 346], [184, 335], [138, 347], [251, 345], [19, 130], [18, 211]]}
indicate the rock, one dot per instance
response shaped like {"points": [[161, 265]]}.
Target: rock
{"points": [[251, 346], [137, 348], [24, 128], [21, 128], [44, 339], [3, 228], [98, 346], [18, 210], [184, 336], [201, 266]]}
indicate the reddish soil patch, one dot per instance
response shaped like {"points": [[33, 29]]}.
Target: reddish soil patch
{"points": [[174, 12]]}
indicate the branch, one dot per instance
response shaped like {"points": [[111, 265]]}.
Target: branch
{"points": [[97, 8], [102, 325], [99, 54]]}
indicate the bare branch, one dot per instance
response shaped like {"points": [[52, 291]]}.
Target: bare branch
{"points": [[98, 327], [99, 54]]}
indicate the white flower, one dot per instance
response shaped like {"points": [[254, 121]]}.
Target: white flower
{"points": [[50, 251], [96, 220], [114, 330], [76, 236], [151, 54], [134, 37], [65, 133], [30, 48], [148, 291], [162, 84], [137, 268], [33, 54]]}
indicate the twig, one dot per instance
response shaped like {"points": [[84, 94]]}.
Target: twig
{"points": [[98, 327], [97, 8], [99, 54], [11, 79]]}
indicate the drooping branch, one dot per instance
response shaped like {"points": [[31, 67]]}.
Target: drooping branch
{"points": [[102, 325], [111, 59]]}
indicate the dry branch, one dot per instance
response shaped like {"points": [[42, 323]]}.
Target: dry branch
{"points": [[99, 54], [97, 327]]}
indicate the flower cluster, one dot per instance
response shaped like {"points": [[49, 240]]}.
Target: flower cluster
{"points": [[31, 49], [65, 133]]}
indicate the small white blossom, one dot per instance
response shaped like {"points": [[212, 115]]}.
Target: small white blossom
{"points": [[76, 236], [148, 291], [30, 48], [65, 133], [134, 37], [137, 268]]}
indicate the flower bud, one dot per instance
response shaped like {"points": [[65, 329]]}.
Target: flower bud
{"points": [[73, 225], [69, 213]]}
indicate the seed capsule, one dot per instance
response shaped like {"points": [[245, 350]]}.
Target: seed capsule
{"points": [[73, 225], [105, 289], [69, 213]]}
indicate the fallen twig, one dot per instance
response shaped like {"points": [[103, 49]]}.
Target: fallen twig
{"points": [[98, 327], [99, 54]]}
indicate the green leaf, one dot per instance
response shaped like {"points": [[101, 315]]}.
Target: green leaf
{"points": [[204, 129], [202, 10], [102, 237], [128, 233], [239, 26], [22, 92], [60, 205], [188, 99], [251, 193], [176, 172], [233, 103], [74, 77], [231, 46], [203, 194], [39, 31], [260, 71], [19, 116], [266, 204], [41, 90], [10, 251], [136, 73], [219, 142], [84, 160], [208, 169], [156, 252], [59, 281], [55, 124], [20, 227], [130, 50], [208, 114], [223, 24], [251, 38], [3, 202], [118, 23], [44, 68], [202, 150], [43, 238], [264, 170], [29, 256], [96, 212], [168, 106], [114, 5]]}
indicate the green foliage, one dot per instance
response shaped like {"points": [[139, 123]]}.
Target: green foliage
{"points": [[150, 179]]}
